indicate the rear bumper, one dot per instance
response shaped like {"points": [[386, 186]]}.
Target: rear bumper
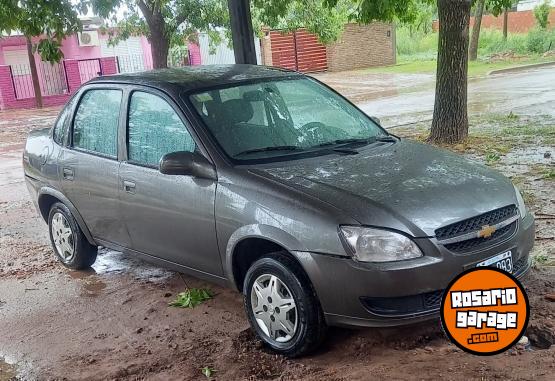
{"points": [[399, 293]]}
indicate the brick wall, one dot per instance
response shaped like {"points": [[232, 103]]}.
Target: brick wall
{"points": [[519, 22], [363, 46]]}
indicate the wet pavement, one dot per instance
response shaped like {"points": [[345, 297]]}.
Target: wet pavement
{"points": [[398, 99], [113, 321]]}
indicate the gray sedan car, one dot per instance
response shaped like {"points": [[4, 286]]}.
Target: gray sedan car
{"points": [[270, 182]]}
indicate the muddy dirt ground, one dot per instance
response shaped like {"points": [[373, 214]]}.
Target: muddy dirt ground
{"points": [[113, 322]]}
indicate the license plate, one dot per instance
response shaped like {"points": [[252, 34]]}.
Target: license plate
{"points": [[501, 261]]}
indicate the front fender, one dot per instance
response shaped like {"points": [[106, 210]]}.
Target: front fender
{"points": [[48, 191], [266, 232]]}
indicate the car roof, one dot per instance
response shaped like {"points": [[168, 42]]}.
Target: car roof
{"points": [[197, 77]]}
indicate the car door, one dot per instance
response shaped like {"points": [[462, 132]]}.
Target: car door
{"points": [[88, 165], [171, 217]]}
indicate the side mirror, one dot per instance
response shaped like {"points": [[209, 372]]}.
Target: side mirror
{"points": [[187, 164], [376, 120]]}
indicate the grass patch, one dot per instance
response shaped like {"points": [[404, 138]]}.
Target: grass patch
{"points": [[549, 174], [540, 260], [408, 65], [529, 130], [419, 45], [191, 298], [492, 158], [542, 171], [417, 51]]}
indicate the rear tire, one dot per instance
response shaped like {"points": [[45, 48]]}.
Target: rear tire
{"points": [[287, 317], [68, 241]]}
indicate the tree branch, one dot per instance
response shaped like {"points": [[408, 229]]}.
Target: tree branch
{"points": [[147, 12]]}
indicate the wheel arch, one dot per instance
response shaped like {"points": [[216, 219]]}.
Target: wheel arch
{"points": [[251, 242], [48, 197]]}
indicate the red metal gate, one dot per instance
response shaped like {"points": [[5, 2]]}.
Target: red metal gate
{"points": [[298, 50], [89, 69]]}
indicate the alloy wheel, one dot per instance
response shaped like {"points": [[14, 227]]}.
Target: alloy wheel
{"points": [[274, 308], [62, 236]]}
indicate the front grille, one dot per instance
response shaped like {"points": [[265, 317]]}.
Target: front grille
{"points": [[404, 305], [520, 266], [432, 299], [467, 230], [476, 223], [479, 243]]}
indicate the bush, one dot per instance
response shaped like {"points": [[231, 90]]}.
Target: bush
{"points": [[418, 44], [492, 41], [423, 46], [541, 13], [540, 40]]}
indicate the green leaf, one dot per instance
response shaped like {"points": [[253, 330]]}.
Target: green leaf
{"points": [[191, 298], [51, 20], [207, 371]]}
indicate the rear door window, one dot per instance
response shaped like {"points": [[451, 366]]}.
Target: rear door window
{"points": [[95, 128], [154, 129], [60, 128]]}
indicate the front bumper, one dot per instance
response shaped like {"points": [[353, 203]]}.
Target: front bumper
{"points": [[408, 291]]}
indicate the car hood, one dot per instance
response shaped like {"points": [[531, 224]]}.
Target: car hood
{"points": [[407, 186]]}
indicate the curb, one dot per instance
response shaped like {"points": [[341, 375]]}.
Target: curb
{"points": [[522, 67]]}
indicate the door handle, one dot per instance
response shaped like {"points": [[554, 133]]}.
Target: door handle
{"points": [[129, 186], [67, 174]]}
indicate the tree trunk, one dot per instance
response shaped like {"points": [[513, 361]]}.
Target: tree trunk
{"points": [[159, 41], [505, 23], [450, 121], [473, 52], [34, 73], [160, 47]]}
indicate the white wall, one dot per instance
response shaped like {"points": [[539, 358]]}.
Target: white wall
{"points": [[130, 53], [223, 54], [526, 5]]}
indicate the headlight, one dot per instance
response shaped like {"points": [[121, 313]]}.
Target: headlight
{"points": [[521, 205], [375, 245]]}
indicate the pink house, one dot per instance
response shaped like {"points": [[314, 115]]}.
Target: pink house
{"points": [[86, 55]]}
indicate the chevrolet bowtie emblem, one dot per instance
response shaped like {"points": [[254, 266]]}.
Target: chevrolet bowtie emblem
{"points": [[486, 231]]}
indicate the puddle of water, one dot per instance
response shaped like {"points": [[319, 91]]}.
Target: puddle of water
{"points": [[7, 371], [113, 262], [531, 155]]}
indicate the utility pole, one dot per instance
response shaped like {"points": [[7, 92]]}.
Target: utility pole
{"points": [[242, 32]]}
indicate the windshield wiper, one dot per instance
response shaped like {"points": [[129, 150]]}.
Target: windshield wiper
{"points": [[343, 141], [269, 149], [340, 142], [385, 138]]}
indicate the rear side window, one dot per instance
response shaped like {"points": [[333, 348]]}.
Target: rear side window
{"points": [[60, 128], [95, 127], [154, 129]]}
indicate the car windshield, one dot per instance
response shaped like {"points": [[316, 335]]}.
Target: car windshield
{"points": [[279, 118]]}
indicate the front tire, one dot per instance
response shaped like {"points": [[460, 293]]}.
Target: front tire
{"points": [[68, 241], [282, 306]]}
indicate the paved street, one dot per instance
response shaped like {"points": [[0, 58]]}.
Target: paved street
{"points": [[400, 98]]}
